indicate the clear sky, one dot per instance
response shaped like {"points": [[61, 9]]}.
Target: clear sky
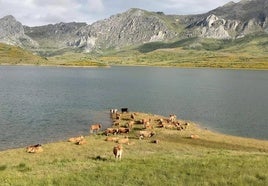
{"points": [[42, 12]]}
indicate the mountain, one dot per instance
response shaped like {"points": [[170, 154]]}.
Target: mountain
{"points": [[12, 32], [136, 27], [232, 20]]}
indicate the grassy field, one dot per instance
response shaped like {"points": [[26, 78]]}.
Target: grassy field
{"points": [[210, 159]]}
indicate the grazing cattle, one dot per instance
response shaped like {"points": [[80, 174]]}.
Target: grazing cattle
{"points": [[116, 123], [114, 139], [172, 118], [130, 124], [132, 116], [123, 130], [147, 125], [117, 116], [113, 111], [118, 150], [161, 121], [124, 110], [110, 131], [146, 134], [34, 148], [95, 128], [123, 140], [76, 139], [169, 126]]}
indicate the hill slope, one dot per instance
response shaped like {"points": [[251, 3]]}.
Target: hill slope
{"points": [[13, 55]]}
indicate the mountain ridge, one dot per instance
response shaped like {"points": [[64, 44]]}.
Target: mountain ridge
{"points": [[136, 27]]}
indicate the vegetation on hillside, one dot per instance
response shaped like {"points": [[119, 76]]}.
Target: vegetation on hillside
{"points": [[177, 159], [15, 55], [250, 52]]}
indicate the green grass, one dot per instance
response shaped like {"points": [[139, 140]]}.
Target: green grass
{"points": [[15, 56], [213, 159], [249, 52]]}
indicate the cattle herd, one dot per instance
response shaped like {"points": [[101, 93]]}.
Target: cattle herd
{"points": [[126, 123]]}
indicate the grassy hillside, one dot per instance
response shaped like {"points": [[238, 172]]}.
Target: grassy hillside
{"points": [[178, 159], [16, 55], [248, 52]]}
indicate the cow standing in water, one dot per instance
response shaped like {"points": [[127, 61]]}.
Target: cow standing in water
{"points": [[95, 128]]}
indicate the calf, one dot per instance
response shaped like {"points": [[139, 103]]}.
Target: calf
{"points": [[118, 150]]}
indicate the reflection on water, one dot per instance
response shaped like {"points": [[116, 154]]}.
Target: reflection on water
{"points": [[43, 104]]}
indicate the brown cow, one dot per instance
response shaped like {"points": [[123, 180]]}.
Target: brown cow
{"points": [[110, 138], [76, 139], [95, 127], [81, 142], [110, 131], [123, 140], [123, 130], [130, 124], [132, 116], [118, 150], [34, 148], [146, 134]]}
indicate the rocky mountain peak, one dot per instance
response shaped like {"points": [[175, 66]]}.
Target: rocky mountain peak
{"points": [[12, 32]]}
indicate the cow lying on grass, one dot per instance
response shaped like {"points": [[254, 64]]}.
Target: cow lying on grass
{"points": [[78, 140], [110, 131], [118, 150], [146, 134], [124, 140], [34, 148]]}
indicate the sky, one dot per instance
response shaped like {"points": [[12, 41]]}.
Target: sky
{"points": [[43, 12]]}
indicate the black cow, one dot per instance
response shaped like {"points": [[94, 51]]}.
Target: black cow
{"points": [[124, 110]]}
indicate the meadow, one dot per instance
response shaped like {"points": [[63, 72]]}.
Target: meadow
{"points": [[178, 159]]}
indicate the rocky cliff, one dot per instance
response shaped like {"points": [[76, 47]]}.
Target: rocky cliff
{"points": [[233, 20], [12, 32]]}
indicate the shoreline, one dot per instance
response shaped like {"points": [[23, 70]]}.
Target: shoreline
{"points": [[206, 133], [133, 65]]}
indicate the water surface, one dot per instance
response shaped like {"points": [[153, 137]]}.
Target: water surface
{"points": [[44, 104]]}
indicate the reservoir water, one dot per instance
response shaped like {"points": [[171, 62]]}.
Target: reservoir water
{"points": [[45, 104]]}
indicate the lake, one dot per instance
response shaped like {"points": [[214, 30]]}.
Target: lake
{"points": [[46, 104]]}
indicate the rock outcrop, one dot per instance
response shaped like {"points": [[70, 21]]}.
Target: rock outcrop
{"points": [[12, 33]]}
